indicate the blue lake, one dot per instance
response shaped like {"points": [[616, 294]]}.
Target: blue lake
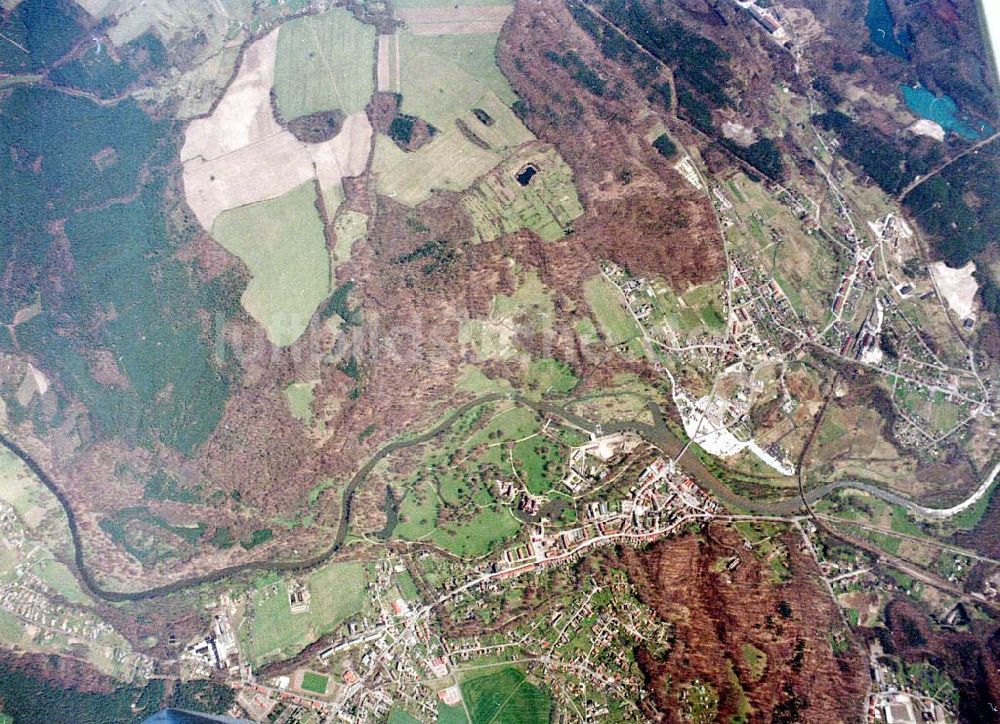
{"points": [[943, 111], [882, 29]]}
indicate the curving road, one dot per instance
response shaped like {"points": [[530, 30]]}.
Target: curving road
{"points": [[658, 433]]}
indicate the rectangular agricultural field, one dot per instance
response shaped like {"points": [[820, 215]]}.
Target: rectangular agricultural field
{"points": [[324, 63]]}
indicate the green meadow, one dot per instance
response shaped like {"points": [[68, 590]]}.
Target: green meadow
{"points": [[281, 241], [324, 63]]}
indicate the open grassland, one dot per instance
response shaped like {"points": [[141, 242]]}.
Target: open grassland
{"points": [[300, 400], [696, 313], [625, 398], [547, 205], [337, 592], [505, 697], [442, 81], [349, 227], [606, 303], [324, 63], [448, 163], [281, 241], [475, 55], [60, 579]]}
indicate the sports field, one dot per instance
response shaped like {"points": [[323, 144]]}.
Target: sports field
{"points": [[316, 683], [324, 63], [337, 592], [281, 241], [606, 303]]}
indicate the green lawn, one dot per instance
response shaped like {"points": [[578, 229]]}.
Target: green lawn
{"points": [[901, 522], [316, 683], [407, 588], [300, 400], [756, 661], [474, 380], [505, 697], [282, 243], [478, 536], [57, 576], [11, 628], [550, 376], [398, 716], [606, 303], [324, 63], [538, 461], [337, 592]]}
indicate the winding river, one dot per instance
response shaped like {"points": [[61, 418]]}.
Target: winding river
{"points": [[657, 433]]}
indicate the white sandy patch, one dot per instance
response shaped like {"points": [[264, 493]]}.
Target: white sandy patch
{"points": [[703, 424], [240, 155], [34, 382], [450, 21], [739, 133], [925, 127], [957, 286]]}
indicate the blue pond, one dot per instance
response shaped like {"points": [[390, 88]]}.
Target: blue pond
{"points": [[943, 111], [882, 30]]}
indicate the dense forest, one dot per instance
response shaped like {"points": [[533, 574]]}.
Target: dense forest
{"points": [[31, 700]]}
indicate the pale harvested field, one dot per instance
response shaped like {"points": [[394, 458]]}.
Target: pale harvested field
{"points": [[244, 115], [455, 21], [240, 155], [388, 63]]}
